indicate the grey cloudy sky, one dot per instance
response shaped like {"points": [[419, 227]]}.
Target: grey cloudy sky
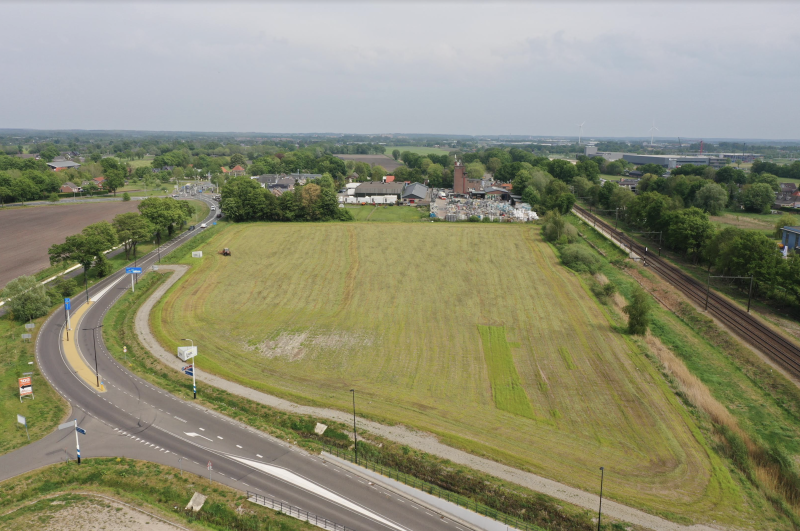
{"points": [[699, 69]]}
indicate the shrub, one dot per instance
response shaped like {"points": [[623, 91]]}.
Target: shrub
{"points": [[103, 266], [580, 258], [53, 197], [126, 196], [638, 313], [473, 219], [27, 298], [65, 286]]}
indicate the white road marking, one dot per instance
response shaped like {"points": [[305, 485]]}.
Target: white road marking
{"points": [[305, 484], [237, 446], [218, 437], [193, 434], [260, 456]]}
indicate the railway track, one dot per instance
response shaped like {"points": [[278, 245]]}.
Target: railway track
{"points": [[747, 327]]}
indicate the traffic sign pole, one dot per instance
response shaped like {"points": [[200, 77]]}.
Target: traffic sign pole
{"points": [[67, 307], [133, 288], [77, 442]]}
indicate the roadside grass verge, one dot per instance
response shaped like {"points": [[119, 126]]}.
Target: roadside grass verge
{"points": [[153, 487], [507, 390], [43, 412], [532, 507]]}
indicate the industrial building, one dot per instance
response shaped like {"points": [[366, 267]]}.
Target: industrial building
{"points": [[62, 165], [461, 184], [373, 188]]}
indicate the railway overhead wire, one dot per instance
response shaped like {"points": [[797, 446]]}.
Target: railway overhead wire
{"points": [[779, 349]]}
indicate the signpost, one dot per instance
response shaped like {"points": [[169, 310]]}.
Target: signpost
{"points": [[22, 420], [209, 470], [133, 271], [74, 424], [197, 254], [25, 387], [26, 336], [185, 354], [67, 308], [30, 325]]}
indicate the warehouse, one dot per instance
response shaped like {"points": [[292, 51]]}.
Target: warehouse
{"points": [[373, 188]]}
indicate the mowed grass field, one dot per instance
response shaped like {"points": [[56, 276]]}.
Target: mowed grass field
{"points": [[473, 332], [386, 213]]}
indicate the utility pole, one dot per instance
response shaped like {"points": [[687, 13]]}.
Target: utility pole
{"points": [[94, 337], [600, 509]]}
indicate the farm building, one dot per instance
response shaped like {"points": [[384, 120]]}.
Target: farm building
{"points": [[373, 188], [63, 165], [415, 192]]}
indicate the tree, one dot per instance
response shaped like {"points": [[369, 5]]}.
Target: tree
{"points": [[711, 198], [562, 170], [493, 164], [757, 197], [395, 154], [114, 179], [377, 173], [23, 189], [132, 228], [531, 196], [786, 220], [85, 248], [615, 168], [606, 191], [475, 170], [688, 230], [163, 214], [558, 197], [238, 160], [766, 178], [638, 312], [589, 170], [435, 172], [96, 157], [26, 298], [654, 169], [126, 196]]}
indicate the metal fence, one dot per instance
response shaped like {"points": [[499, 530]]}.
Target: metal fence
{"points": [[295, 512], [461, 501]]}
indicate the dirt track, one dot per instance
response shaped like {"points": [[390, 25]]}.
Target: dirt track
{"points": [[27, 233]]}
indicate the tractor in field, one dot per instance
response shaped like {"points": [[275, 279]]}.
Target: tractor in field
{"points": [[225, 252]]}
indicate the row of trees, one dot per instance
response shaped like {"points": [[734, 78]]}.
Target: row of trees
{"points": [[244, 200]]}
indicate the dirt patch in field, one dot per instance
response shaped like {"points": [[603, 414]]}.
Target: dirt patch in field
{"points": [[380, 160], [294, 345], [28, 232]]}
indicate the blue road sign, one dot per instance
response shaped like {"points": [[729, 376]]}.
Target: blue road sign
{"points": [[215, 223], [132, 270], [67, 304], [188, 369], [81, 430]]}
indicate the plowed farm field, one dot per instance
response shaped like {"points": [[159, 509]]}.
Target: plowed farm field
{"points": [[472, 332], [26, 233]]}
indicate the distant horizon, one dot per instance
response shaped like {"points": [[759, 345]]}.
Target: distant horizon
{"points": [[586, 138]]}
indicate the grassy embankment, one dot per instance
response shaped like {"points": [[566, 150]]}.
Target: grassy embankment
{"points": [[400, 321], [42, 413], [760, 405], [499, 495], [41, 495], [386, 213]]}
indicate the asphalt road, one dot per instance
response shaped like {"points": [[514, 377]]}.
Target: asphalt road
{"points": [[136, 420]]}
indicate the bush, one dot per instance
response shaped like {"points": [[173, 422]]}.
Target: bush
{"points": [[126, 196], [473, 219], [65, 287], [27, 298], [580, 258], [103, 266], [53, 197], [638, 313]]}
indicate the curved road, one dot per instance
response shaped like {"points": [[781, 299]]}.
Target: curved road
{"points": [[136, 420]]}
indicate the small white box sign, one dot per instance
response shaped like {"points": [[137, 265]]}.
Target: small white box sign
{"points": [[197, 254]]}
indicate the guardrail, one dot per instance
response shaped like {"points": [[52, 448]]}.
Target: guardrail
{"points": [[452, 497], [295, 512]]}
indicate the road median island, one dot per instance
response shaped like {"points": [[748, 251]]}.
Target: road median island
{"points": [[72, 353]]}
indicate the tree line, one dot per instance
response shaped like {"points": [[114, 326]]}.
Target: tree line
{"points": [[243, 199]]}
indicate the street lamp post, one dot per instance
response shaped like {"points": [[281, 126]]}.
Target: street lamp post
{"points": [[94, 338], [355, 435], [194, 370], [600, 509]]}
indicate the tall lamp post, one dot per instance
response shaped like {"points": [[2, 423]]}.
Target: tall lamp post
{"points": [[355, 436], [94, 338], [194, 369], [600, 509]]}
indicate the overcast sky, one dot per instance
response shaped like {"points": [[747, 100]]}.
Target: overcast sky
{"points": [[699, 70]]}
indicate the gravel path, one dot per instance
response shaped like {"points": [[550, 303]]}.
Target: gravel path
{"points": [[421, 441]]}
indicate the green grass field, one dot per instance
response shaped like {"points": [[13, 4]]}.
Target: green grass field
{"points": [[419, 150], [43, 412], [309, 311], [137, 163], [388, 213]]}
